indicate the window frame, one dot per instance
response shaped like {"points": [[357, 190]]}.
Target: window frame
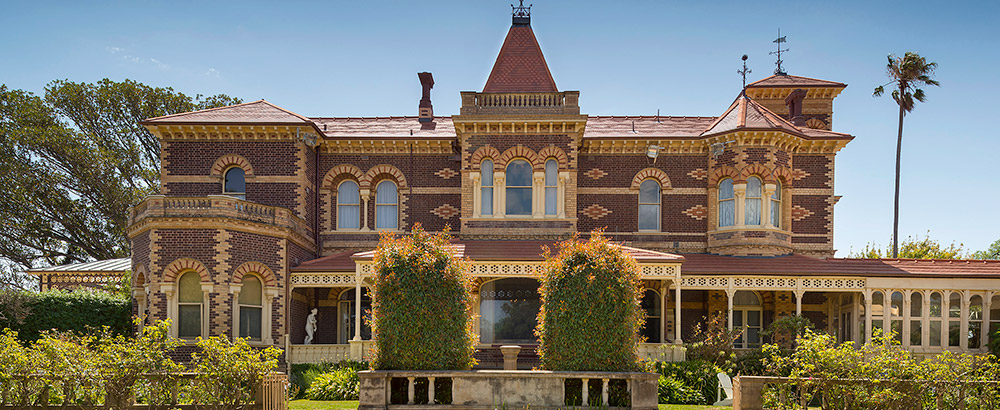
{"points": [[384, 205], [487, 184], [658, 319], [225, 178], [743, 341], [775, 211], [241, 305], [508, 187], [658, 205], [759, 199], [340, 204], [201, 307], [720, 200]]}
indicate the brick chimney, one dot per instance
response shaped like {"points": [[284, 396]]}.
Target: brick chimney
{"points": [[794, 104], [426, 109]]}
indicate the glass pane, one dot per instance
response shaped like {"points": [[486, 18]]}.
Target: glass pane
{"points": [[897, 330], [386, 217], [649, 192], [726, 189], [487, 205], [916, 304], [776, 213], [727, 213], [189, 321], [954, 305], [877, 304], [518, 201], [250, 322], [737, 318], [753, 318], [777, 191], [349, 216], [877, 325], [250, 293], [519, 174], [486, 177], [915, 334], [752, 212], [745, 298], [954, 332], [508, 310], [896, 304], [651, 303], [551, 206], [189, 288], [935, 304], [649, 217], [935, 331], [551, 172], [994, 329], [995, 308], [235, 181], [385, 193], [976, 307], [753, 337], [347, 193], [975, 334], [651, 330], [753, 187]]}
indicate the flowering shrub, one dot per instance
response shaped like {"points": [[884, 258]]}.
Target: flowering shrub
{"points": [[341, 384], [714, 342], [590, 315], [422, 304], [230, 372], [696, 376]]}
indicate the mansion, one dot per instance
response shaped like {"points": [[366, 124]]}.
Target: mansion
{"points": [[265, 215]]}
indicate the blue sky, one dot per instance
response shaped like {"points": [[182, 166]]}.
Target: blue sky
{"points": [[360, 59]]}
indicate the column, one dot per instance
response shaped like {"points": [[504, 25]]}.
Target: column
{"points": [[235, 290], [365, 194], [357, 305], [984, 341], [729, 308], [561, 193], [963, 334], [798, 302], [886, 310], [945, 319], [265, 328], [499, 195], [925, 320], [677, 311], [739, 194], [168, 292], [765, 206], [538, 195], [905, 329], [477, 194], [206, 291], [663, 311], [868, 316]]}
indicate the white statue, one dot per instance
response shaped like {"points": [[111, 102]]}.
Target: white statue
{"points": [[310, 327]]}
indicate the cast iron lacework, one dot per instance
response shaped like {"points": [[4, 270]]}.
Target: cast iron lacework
{"points": [[715, 282]]}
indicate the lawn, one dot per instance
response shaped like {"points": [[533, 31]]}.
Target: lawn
{"points": [[324, 405]]}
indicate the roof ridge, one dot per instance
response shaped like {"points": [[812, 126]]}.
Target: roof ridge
{"points": [[290, 112], [825, 82], [204, 110]]}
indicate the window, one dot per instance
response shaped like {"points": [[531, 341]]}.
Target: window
{"points": [[518, 188], [934, 326], [975, 321], [386, 206], [776, 206], [994, 317], [916, 312], [954, 319], [348, 315], [878, 310], [747, 314], [348, 206], [251, 307], [895, 314], [753, 202], [727, 203], [649, 205], [486, 178], [235, 183], [508, 311], [651, 305], [551, 187], [189, 305]]}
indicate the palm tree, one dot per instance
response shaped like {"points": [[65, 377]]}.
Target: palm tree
{"points": [[907, 73]]}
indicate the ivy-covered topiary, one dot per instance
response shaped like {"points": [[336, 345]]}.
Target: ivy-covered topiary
{"points": [[422, 304], [590, 316]]}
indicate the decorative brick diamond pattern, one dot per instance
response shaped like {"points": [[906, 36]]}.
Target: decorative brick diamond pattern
{"points": [[446, 211], [799, 174], [595, 211], [595, 173], [799, 213], [697, 212], [446, 173], [698, 173]]}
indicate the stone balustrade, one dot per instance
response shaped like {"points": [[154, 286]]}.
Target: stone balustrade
{"points": [[566, 102], [219, 206]]}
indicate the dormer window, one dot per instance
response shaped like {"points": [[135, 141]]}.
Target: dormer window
{"points": [[235, 183], [518, 190]]}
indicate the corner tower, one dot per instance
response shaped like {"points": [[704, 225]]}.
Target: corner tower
{"points": [[519, 139]]}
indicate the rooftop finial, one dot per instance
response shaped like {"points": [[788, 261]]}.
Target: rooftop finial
{"points": [[778, 70], [744, 73], [520, 14]]}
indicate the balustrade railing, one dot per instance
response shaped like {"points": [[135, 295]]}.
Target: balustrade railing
{"points": [[566, 102], [218, 206], [758, 393]]}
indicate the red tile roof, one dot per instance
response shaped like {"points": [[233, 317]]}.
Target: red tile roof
{"points": [[520, 66], [792, 81], [385, 127], [798, 265], [338, 262], [745, 113], [259, 111], [645, 126]]}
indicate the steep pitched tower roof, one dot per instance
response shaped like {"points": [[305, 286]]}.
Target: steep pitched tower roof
{"points": [[520, 66]]}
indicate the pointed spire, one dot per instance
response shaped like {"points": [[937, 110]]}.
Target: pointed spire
{"points": [[520, 66]]}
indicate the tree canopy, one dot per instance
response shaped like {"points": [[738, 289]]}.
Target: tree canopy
{"points": [[993, 252], [72, 161], [912, 248]]}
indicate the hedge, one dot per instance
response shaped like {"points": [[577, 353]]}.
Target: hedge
{"points": [[590, 315], [79, 312], [422, 304]]}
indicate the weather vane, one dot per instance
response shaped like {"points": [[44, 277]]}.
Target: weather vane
{"points": [[778, 70], [744, 73]]}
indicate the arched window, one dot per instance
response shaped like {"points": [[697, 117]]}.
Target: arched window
{"points": [[649, 205], [348, 206], [954, 319], [747, 314], [518, 190], [651, 305], [975, 321], [251, 307], [727, 203], [878, 311], [994, 317], [776, 206], [189, 305], [386, 206], [753, 202], [508, 311], [348, 315], [235, 183], [551, 187], [916, 312], [934, 326], [486, 179], [895, 314]]}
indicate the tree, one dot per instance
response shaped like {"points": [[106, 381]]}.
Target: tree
{"points": [[993, 252], [71, 164], [907, 74], [912, 248]]}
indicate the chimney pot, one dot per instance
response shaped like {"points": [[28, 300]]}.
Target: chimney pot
{"points": [[426, 110], [794, 104]]}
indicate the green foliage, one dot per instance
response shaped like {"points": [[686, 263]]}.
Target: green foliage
{"points": [[714, 342], [341, 384], [993, 252], [590, 315], [230, 372], [80, 312], [422, 304], [750, 362], [73, 161], [301, 375], [695, 375], [912, 248], [785, 330], [123, 362], [673, 391], [908, 73]]}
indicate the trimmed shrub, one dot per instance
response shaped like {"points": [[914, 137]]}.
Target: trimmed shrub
{"points": [[673, 391], [341, 384], [80, 312], [590, 315], [422, 304]]}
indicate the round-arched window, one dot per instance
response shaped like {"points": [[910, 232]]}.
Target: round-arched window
{"points": [[235, 183], [518, 190]]}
